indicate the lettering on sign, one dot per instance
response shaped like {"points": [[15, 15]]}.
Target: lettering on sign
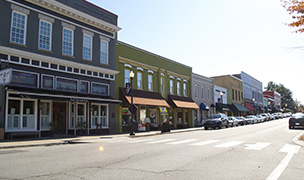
{"points": [[78, 100]]}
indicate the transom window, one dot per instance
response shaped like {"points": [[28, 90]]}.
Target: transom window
{"points": [[18, 27], [66, 84], [24, 79], [104, 46], [87, 47], [100, 89], [67, 41], [45, 34]]}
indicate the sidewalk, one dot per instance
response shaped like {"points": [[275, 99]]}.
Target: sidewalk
{"points": [[6, 144]]}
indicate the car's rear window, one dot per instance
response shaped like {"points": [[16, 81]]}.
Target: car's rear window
{"points": [[214, 116], [298, 115]]}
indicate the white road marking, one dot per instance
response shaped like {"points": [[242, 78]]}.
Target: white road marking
{"points": [[229, 144], [182, 141], [204, 143], [160, 141], [257, 146], [290, 150]]}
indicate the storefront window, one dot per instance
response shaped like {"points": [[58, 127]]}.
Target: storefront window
{"points": [[126, 116], [171, 117], [104, 117], [81, 121], [179, 118], [152, 115], [142, 115], [45, 115], [21, 119], [186, 114]]}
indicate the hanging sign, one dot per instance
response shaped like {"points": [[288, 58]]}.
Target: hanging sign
{"points": [[163, 111]]}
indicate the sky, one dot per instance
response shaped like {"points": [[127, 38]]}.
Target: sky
{"points": [[217, 37]]}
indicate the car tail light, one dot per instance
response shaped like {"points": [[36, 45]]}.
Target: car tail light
{"points": [[292, 124]]}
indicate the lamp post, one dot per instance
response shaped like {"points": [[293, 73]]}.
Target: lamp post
{"points": [[221, 93], [132, 133]]}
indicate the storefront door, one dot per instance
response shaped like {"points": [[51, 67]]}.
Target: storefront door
{"points": [[59, 116]]}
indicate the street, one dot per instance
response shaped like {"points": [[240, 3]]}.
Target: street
{"points": [[259, 151]]}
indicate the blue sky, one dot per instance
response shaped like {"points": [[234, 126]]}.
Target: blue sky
{"points": [[216, 37]]}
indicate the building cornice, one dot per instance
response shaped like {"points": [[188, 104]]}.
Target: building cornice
{"points": [[178, 75], [135, 63], [75, 14]]}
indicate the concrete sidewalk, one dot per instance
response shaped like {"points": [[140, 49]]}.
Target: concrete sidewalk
{"points": [[6, 144]]}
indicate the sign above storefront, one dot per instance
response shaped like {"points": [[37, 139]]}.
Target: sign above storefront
{"points": [[78, 100], [5, 76]]}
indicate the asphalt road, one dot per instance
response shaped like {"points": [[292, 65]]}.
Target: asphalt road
{"points": [[260, 151]]}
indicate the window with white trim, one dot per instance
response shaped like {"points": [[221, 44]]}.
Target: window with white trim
{"points": [[87, 47], [171, 86], [22, 78], [202, 92], [127, 76], [104, 52], [150, 82], [100, 116], [45, 35], [84, 87], [67, 41], [162, 85], [196, 91], [18, 28], [139, 80], [178, 88], [21, 115], [65, 84], [45, 114], [185, 89], [47, 82], [100, 89]]}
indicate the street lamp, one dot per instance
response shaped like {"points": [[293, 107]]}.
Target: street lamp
{"points": [[132, 133], [221, 93]]}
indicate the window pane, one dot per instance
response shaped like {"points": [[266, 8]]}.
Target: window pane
{"points": [[150, 81], [127, 76], [100, 89], [84, 87], [45, 115], [47, 82], [139, 80], [66, 84], [67, 42], [87, 47], [24, 79], [104, 52], [18, 28], [45, 35]]}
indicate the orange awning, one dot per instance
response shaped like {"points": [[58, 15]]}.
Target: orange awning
{"points": [[148, 101], [185, 104]]}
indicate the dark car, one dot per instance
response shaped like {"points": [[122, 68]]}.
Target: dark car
{"points": [[217, 121], [296, 120]]}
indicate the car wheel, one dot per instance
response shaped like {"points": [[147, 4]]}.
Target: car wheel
{"points": [[220, 126], [206, 128]]}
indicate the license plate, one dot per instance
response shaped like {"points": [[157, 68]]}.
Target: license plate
{"points": [[297, 124]]}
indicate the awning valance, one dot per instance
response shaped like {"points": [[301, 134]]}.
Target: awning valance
{"points": [[223, 107], [249, 107], [182, 102]]}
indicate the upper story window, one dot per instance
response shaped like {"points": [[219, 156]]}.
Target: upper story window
{"points": [[162, 85], [139, 80], [171, 86], [87, 47], [66, 84], [178, 88], [67, 41], [127, 76], [45, 35], [18, 28], [150, 82], [202, 92], [232, 94], [104, 52], [185, 89], [196, 91]]}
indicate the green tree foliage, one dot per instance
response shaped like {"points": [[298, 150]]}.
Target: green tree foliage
{"points": [[287, 101], [296, 10]]}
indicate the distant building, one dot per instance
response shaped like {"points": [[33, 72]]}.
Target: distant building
{"points": [[274, 100]]}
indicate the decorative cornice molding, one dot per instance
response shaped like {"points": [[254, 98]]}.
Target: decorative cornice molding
{"points": [[75, 14], [178, 75], [135, 63]]}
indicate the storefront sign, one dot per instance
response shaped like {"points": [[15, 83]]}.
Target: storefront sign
{"points": [[78, 100], [163, 111], [5, 76]]}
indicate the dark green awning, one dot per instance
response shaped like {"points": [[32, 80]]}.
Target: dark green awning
{"points": [[240, 107]]}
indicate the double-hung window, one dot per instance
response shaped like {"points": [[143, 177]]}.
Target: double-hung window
{"points": [[18, 28], [185, 89], [87, 47], [45, 35], [171, 86], [178, 88], [67, 41], [150, 82], [139, 80], [104, 55]]}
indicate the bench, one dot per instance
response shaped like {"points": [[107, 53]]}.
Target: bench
{"points": [[27, 133]]}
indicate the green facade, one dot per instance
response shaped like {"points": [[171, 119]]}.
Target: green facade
{"points": [[135, 59]]}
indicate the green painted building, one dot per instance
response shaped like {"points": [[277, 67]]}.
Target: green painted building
{"points": [[161, 90]]}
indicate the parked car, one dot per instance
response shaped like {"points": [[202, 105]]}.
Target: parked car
{"points": [[232, 121], [266, 117], [217, 121], [251, 119], [241, 120], [260, 118], [296, 120]]}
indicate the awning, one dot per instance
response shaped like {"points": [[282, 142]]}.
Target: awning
{"points": [[249, 107], [143, 98], [203, 107], [240, 107], [222, 107], [182, 102], [61, 96]]}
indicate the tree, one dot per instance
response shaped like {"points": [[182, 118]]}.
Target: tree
{"points": [[296, 10], [287, 101]]}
